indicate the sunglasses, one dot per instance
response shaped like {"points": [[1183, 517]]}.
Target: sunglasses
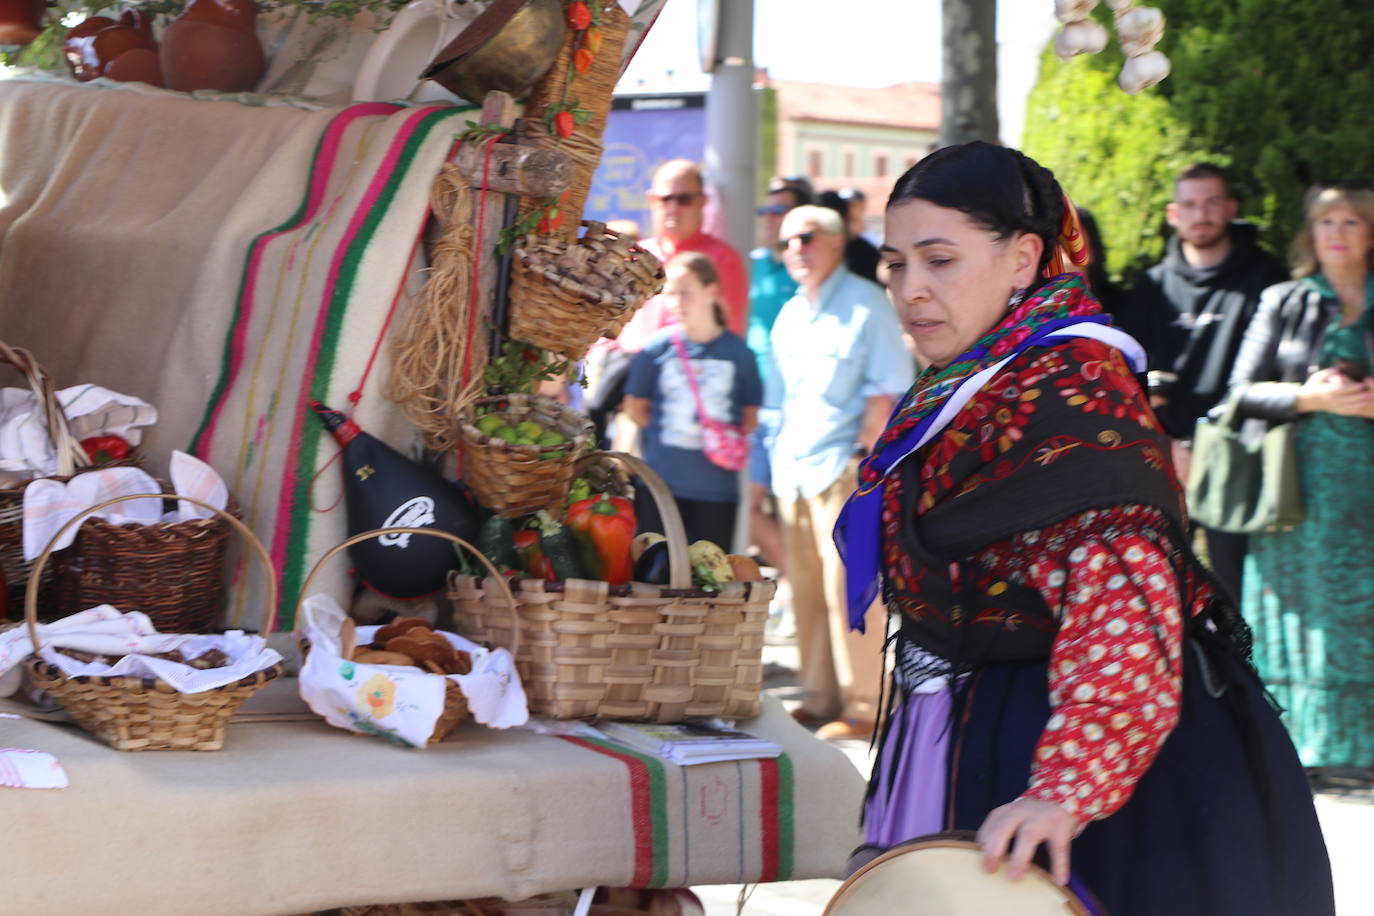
{"points": [[773, 209], [682, 199], [806, 238]]}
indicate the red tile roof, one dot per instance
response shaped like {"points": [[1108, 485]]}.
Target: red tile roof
{"points": [[910, 104]]}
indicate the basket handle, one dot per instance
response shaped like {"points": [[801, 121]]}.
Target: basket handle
{"points": [[31, 592], [432, 532], [679, 562], [70, 454]]}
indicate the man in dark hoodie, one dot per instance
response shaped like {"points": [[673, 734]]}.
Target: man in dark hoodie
{"points": [[1190, 312]]}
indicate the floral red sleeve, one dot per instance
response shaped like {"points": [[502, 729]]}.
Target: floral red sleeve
{"points": [[1114, 671]]}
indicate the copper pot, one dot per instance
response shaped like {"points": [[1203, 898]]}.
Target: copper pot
{"points": [[509, 46]]}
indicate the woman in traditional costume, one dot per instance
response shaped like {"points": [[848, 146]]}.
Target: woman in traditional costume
{"points": [[1306, 359], [1065, 669]]}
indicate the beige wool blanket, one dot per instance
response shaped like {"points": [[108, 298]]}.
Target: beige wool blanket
{"points": [[227, 261]]}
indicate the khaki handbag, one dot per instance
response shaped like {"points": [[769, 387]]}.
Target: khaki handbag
{"points": [[1243, 487]]}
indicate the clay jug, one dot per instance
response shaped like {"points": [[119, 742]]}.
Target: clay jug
{"points": [[21, 20], [213, 45]]}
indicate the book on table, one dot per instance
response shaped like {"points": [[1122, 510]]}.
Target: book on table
{"points": [[686, 743]]}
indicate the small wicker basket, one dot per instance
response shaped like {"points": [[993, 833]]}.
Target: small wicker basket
{"points": [[147, 714], [513, 480], [71, 457], [566, 294], [660, 653], [455, 703], [171, 571]]}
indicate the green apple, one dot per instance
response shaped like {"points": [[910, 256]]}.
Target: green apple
{"points": [[490, 423], [530, 430]]}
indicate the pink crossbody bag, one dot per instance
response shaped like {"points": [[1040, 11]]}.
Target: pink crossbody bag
{"points": [[726, 445]]}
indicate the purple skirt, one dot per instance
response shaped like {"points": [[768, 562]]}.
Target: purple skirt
{"points": [[910, 801]]}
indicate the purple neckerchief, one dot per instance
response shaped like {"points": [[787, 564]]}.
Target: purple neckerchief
{"points": [[858, 532]]}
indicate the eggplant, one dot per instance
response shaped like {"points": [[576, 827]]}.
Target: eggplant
{"points": [[652, 566]]}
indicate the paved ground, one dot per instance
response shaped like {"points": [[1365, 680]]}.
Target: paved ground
{"points": [[1347, 817]]}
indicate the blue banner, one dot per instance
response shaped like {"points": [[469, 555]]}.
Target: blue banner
{"points": [[637, 141]]}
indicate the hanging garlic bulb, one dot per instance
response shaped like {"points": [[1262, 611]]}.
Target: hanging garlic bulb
{"points": [[1139, 29], [1143, 71], [1120, 5], [1068, 11], [1084, 37]]}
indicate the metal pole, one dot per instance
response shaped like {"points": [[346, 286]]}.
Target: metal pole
{"points": [[732, 140], [732, 124]]}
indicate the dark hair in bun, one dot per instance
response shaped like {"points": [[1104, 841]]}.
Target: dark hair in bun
{"points": [[1002, 190]]}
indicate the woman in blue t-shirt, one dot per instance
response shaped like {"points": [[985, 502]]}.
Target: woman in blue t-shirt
{"points": [[661, 399]]}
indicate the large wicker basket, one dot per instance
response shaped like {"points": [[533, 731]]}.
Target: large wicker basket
{"points": [[147, 714], [513, 480], [171, 571], [638, 651], [455, 703], [565, 295], [70, 458]]}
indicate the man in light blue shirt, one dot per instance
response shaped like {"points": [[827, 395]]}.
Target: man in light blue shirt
{"points": [[836, 368]]}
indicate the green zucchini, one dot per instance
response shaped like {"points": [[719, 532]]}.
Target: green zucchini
{"points": [[497, 541], [559, 548]]}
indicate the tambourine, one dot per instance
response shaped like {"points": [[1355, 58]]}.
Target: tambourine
{"points": [[942, 874]]}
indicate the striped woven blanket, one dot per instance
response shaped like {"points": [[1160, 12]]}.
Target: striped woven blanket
{"points": [[315, 295]]}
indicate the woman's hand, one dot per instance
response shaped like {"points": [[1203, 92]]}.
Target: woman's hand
{"points": [[1029, 822], [1330, 391]]}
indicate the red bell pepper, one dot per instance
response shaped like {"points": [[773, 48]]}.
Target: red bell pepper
{"points": [[530, 553], [603, 528], [104, 449]]}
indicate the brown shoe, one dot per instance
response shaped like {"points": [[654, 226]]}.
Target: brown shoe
{"points": [[845, 730], [807, 719]]}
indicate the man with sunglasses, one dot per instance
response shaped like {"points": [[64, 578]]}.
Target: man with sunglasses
{"points": [[677, 204], [837, 364], [1190, 312], [770, 286]]}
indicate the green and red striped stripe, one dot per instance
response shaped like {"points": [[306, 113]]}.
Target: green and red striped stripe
{"points": [[649, 813]]}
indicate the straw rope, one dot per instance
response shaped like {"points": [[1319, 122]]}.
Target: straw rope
{"points": [[437, 365]]}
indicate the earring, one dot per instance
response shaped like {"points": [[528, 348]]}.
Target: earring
{"points": [[1017, 296]]}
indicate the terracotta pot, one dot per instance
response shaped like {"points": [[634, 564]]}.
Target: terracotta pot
{"points": [[123, 50], [213, 45], [21, 20], [78, 47]]}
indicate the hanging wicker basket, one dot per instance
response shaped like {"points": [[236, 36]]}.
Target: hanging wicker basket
{"points": [[144, 713], [513, 480], [565, 295]]}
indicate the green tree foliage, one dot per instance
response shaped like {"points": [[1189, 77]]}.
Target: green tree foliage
{"points": [[1280, 92]]}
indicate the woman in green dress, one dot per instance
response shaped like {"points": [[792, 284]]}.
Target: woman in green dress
{"points": [[1308, 593]]}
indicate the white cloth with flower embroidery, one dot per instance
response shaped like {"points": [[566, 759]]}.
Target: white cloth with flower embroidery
{"points": [[399, 702]]}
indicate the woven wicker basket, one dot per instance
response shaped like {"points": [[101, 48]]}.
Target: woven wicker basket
{"points": [[637, 651], [513, 480], [70, 458], [455, 703], [171, 571], [565, 295], [147, 714]]}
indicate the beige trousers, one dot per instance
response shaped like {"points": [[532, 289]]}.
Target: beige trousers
{"points": [[841, 670]]}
